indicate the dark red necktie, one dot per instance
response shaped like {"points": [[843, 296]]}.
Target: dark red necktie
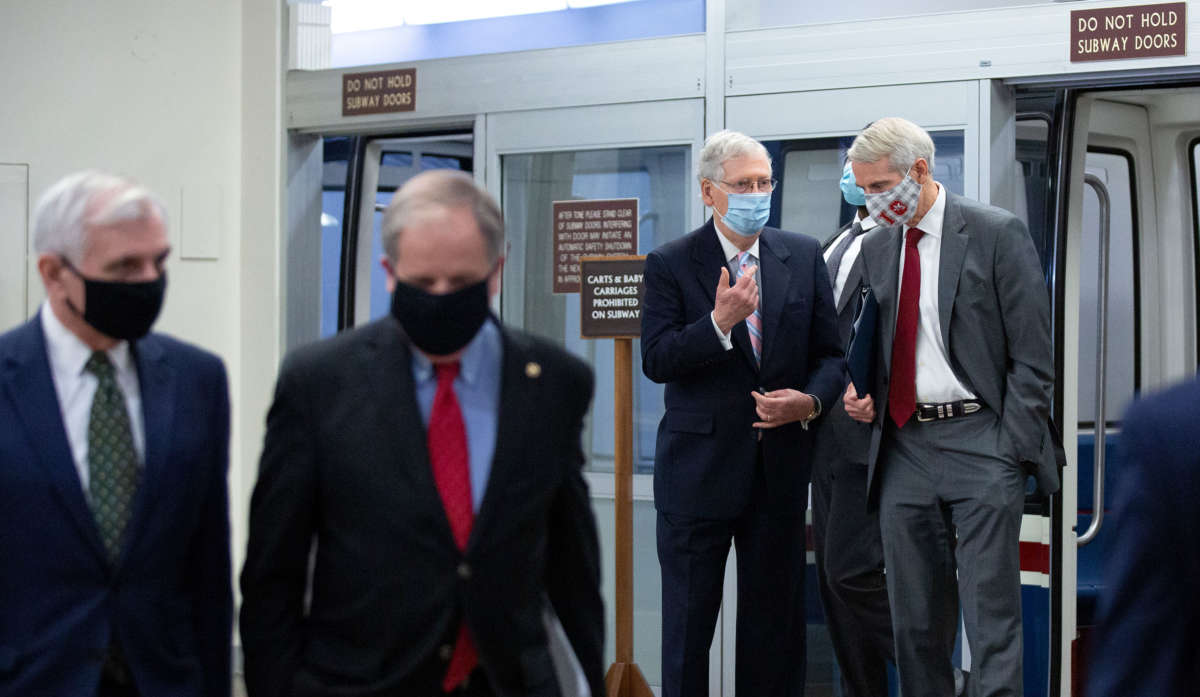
{"points": [[447, 442], [902, 391]]}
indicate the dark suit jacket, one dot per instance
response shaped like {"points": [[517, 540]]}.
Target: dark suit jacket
{"points": [[168, 602], [995, 322], [1146, 640], [704, 460], [345, 463], [838, 436]]}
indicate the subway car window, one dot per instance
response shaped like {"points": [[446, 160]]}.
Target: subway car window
{"points": [[333, 210], [659, 178], [1115, 171], [809, 200]]}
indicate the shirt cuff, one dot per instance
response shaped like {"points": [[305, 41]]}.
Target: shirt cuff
{"points": [[724, 337]]}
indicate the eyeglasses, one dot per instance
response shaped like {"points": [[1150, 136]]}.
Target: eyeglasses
{"points": [[746, 186]]}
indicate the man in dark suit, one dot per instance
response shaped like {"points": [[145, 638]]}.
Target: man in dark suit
{"points": [[1146, 641], [846, 539], [745, 372], [114, 522], [960, 412], [405, 486]]}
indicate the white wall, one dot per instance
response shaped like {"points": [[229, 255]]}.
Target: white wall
{"points": [[184, 97]]}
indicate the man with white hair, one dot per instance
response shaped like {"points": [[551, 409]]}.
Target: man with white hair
{"points": [[960, 412], [114, 522], [739, 322]]}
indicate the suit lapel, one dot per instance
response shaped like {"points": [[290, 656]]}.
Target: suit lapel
{"points": [[853, 280], [776, 279], [519, 383], [881, 261], [953, 252], [156, 380], [401, 433], [708, 258], [29, 386]]}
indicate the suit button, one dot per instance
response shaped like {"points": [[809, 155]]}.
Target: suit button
{"points": [[445, 651], [464, 571]]}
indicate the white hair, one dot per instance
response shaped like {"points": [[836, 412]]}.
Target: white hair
{"points": [[900, 140], [79, 200], [723, 146], [442, 189]]}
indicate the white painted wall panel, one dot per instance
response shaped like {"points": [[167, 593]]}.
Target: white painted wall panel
{"points": [[14, 226], [627, 71], [997, 43]]}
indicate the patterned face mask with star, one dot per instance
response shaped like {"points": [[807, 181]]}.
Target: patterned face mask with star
{"points": [[897, 205]]}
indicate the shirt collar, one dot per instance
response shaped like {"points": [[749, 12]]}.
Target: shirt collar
{"points": [[68, 354], [866, 222], [473, 361], [931, 224], [731, 250]]}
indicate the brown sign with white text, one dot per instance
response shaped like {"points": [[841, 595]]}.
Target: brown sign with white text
{"points": [[379, 92], [1138, 31], [610, 297], [596, 227]]}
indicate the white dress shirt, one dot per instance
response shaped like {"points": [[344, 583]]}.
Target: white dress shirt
{"points": [[936, 381], [76, 387], [731, 255], [839, 283]]}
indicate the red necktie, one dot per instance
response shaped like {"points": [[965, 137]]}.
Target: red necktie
{"points": [[447, 442], [902, 392]]}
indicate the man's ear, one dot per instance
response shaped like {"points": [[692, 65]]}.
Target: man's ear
{"points": [[389, 272], [496, 279], [51, 268]]}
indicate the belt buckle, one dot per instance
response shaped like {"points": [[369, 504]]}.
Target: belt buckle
{"points": [[926, 419]]}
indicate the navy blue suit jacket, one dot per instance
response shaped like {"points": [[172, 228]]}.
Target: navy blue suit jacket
{"points": [[704, 461], [168, 601], [1146, 638]]}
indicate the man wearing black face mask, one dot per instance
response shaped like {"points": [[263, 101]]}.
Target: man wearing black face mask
{"points": [[114, 523], [434, 458]]}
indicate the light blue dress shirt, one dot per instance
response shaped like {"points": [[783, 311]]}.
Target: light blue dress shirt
{"points": [[478, 390]]}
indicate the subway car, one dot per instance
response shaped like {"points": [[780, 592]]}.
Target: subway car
{"points": [[1085, 126]]}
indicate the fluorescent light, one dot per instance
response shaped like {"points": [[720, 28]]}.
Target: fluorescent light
{"points": [[364, 15], [574, 4], [460, 10]]}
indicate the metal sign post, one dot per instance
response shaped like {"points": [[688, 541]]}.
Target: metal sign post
{"points": [[610, 300]]}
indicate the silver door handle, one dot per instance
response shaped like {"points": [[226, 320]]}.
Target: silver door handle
{"points": [[1101, 359]]}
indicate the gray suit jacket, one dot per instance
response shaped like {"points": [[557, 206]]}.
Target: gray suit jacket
{"points": [[995, 322], [839, 437]]}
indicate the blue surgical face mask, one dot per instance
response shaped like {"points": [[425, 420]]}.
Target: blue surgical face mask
{"points": [[851, 191], [746, 214]]}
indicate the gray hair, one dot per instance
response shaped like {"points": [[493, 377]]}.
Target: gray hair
{"points": [[442, 189], [723, 146], [88, 198], [901, 140]]}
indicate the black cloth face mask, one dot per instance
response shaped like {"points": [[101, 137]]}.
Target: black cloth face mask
{"points": [[441, 325], [120, 310]]}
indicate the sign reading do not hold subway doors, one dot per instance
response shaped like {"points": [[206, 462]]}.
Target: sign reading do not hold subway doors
{"points": [[379, 92], [1137, 31]]}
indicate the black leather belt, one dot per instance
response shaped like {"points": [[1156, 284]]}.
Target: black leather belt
{"points": [[938, 411]]}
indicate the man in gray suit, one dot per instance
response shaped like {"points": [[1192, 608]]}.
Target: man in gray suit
{"points": [[960, 412], [846, 540]]}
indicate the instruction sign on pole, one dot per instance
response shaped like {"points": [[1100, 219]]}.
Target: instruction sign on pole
{"points": [[610, 297], [596, 227]]}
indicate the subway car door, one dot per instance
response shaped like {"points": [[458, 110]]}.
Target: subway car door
{"points": [[1125, 301], [640, 150]]}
